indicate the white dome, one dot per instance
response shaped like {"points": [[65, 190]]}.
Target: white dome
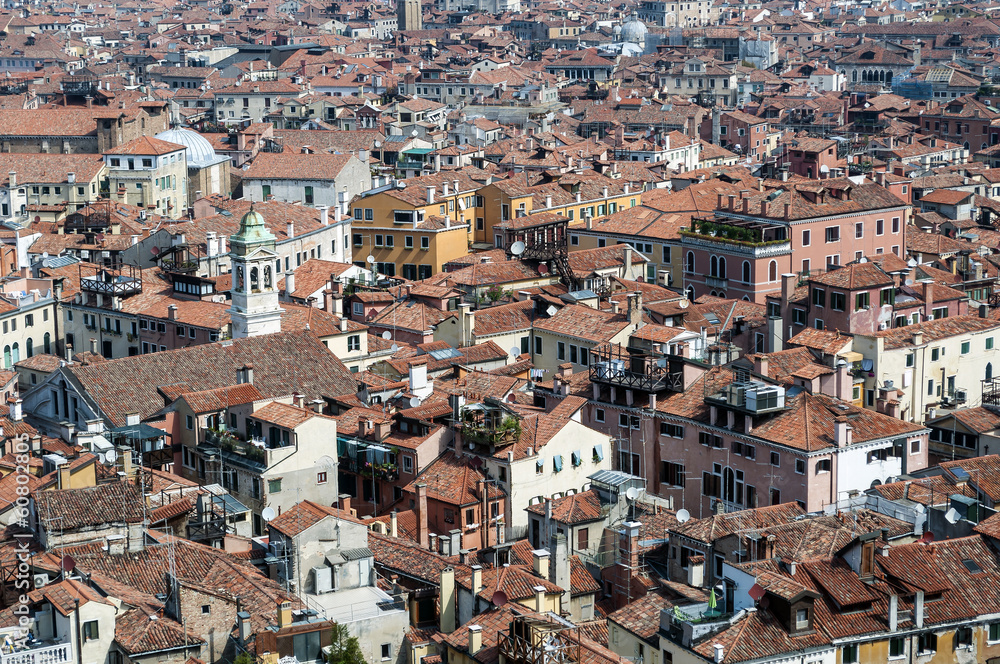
{"points": [[199, 150], [634, 31]]}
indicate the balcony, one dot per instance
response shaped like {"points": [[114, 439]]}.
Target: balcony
{"points": [[489, 424], [231, 443], [40, 653], [634, 369], [746, 238], [716, 282]]}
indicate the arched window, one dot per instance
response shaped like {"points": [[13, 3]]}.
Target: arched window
{"points": [[854, 76], [746, 272], [267, 276], [713, 266], [47, 343], [689, 292], [6, 357], [16, 349], [722, 267], [772, 271], [690, 261], [254, 280], [29, 347], [822, 466], [239, 278], [989, 371]]}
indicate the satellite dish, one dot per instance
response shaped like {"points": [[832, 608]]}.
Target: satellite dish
{"points": [[632, 493], [267, 513], [155, 251], [862, 260], [551, 311], [515, 351], [518, 248], [400, 185], [908, 282], [499, 598], [370, 259], [394, 348], [952, 515], [684, 304], [378, 144], [67, 564], [511, 398], [387, 335], [414, 402], [543, 269], [756, 592], [683, 516], [927, 537], [111, 456]]}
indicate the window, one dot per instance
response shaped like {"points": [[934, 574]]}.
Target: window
{"points": [[833, 234], [859, 230], [91, 631], [672, 430], [862, 300], [994, 634], [897, 647], [407, 464], [879, 226], [887, 296], [818, 297], [386, 651], [206, 609], [775, 459], [806, 238], [321, 478], [274, 486], [935, 354], [837, 301], [181, 331], [560, 350], [850, 654], [599, 415], [582, 539], [927, 643], [672, 473], [538, 345], [189, 422], [822, 466], [802, 619], [425, 243], [354, 342], [989, 343], [800, 466], [799, 316]]}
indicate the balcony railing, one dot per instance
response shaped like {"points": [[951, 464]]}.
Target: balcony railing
{"points": [[59, 653], [716, 282]]}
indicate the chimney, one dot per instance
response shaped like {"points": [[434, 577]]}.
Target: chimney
{"points": [[559, 572], [289, 284], [475, 639], [393, 525], [761, 365], [284, 614], [12, 176], [893, 612], [324, 215], [928, 298], [635, 308], [383, 428], [116, 545], [345, 502], [842, 435], [540, 599], [93, 345], [290, 229], [447, 611], [16, 407], [918, 609], [720, 653], [540, 563], [477, 579], [422, 533], [430, 194], [444, 190], [243, 622], [788, 282], [172, 312]]}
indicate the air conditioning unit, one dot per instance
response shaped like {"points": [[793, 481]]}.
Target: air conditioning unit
{"points": [[41, 580], [883, 325]]}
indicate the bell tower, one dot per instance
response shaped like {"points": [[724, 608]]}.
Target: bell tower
{"points": [[255, 309]]}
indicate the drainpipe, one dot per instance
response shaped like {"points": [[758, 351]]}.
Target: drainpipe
{"points": [[79, 637]]}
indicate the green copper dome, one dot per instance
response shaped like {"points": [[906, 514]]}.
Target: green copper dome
{"points": [[252, 229]]}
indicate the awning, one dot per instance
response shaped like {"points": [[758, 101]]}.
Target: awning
{"points": [[418, 151], [577, 460], [852, 356], [599, 452], [540, 462], [557, 461]]}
